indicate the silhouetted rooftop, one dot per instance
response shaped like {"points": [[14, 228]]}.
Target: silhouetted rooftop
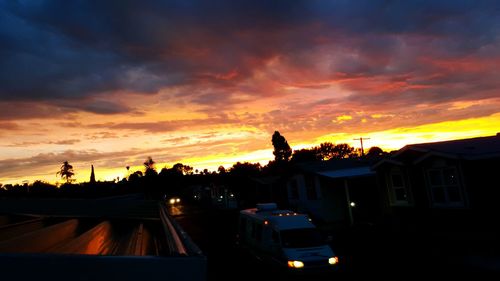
{"points": [[332, 165], [467, 148]]}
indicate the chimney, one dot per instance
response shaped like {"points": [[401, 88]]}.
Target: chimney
{"points": [[92, 175]]}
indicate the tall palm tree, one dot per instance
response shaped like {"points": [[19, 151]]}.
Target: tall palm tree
{"points": [[149, 164], [66, 171]]}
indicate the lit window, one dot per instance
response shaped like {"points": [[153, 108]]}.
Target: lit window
{"points": [[444, 187], [397, 185]]}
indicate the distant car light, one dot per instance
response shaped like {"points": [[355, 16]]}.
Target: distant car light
{"points": [[172, 201], [333, 260], [295, 264], [177, 200]]}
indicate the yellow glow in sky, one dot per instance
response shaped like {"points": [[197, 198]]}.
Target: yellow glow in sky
{"points": [[394, 139]]}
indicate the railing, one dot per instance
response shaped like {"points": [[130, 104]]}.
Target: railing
{"points": [[179, 241]]}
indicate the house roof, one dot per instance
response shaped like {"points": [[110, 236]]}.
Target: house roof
{"points": [[348, 173], [265, 180], [466, 148], [470, 149], [338, 168], [334, 164]]}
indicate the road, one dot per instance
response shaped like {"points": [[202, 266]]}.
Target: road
{"points": [[214, 232], [364, 253]]}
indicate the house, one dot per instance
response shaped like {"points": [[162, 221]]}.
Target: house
{"points": [[267, 189], [449, 185], [339, 191]]}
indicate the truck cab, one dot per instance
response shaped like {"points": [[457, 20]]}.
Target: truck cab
{"points": [[284, 238]]}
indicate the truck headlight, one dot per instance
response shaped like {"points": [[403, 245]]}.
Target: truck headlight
{"points": [[333, 260], [295, 264]]}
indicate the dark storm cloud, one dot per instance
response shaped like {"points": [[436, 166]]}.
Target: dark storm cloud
{"points": [[73, 50], [99, 107], [18, 110]]}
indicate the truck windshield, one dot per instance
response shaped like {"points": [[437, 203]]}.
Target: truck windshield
{"points": [[301, 238]]}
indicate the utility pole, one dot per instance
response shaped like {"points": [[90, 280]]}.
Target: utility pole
{"points": [[361, 140]]}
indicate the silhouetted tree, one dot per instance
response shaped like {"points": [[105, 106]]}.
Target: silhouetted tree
{"points": [[178, 169], [39, 187], [135, 176], [326, 151], [306, 155], [245, 169], [66, 172], [282, 151], [375, 151], [187, 170], [356, 153], [182, 169], [149, 164], [342, 150], [221, 170]]}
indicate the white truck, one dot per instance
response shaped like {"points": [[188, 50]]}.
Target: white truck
{"points": [[284, 238]]}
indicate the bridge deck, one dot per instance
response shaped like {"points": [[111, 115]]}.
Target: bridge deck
{"points": [[109, 237]]}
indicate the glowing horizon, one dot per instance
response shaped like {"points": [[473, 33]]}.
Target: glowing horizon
{"points": [[388, 140]]}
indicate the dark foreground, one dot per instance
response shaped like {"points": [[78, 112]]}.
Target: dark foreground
{"points": [[105, 238], [116, 238], [366, 253]]}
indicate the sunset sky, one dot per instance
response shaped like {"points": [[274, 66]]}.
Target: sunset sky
{"points": [[206, 83]]}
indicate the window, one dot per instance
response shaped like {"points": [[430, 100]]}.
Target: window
{"points": [[444, 187], [311, 187], [302, 238], [398, 187], [294, 189]]}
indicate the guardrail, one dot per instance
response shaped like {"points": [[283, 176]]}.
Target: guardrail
{"points": [[180, 240]]}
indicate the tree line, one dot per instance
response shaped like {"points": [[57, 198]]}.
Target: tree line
{"points": [[153, 182]]}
